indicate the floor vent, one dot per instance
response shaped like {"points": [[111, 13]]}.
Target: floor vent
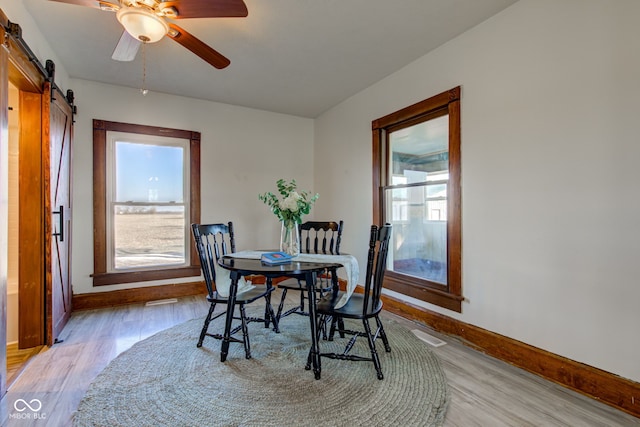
{"points": [[161, 301], [429, 339]]}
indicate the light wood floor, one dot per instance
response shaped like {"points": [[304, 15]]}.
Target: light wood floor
{"points": [[17, 359], [484, 391]]}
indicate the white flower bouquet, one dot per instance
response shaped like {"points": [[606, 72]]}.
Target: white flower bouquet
{"points": [[293, 204]]}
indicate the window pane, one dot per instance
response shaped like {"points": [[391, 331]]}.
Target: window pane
{"points": [[149, 172], [420, 150], [419, 155], [147, 236], [419, 243], [437, 202]]}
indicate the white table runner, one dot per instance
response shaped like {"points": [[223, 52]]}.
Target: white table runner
{"points": [[223, 282], [349, 262]]}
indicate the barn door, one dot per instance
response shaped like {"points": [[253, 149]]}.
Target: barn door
{"points": [[58, 275]]}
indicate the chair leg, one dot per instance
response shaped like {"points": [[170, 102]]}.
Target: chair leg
{"points": [[332, 330], [302, 298], [267, 308], [328, 319], [297, 309], [245, 332], [336, 320], [270, 314], [205, 327], [372, 347], [383, 335], [323, 327], [281, 305], [335, 287], [341, 327], [319, 321]]}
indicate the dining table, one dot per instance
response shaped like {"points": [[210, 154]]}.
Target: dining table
{"points": [[304, 267]]}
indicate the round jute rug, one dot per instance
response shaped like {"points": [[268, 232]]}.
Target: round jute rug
{"points": [[166, 380]]}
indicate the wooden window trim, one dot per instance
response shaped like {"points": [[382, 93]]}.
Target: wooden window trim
{"points": [[450, 295], [100, 275]]}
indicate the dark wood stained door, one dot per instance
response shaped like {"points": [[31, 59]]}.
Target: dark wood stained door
{"points": [[59, 249]]}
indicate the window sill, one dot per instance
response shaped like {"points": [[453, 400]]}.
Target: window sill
{"points": [[101, 279], [417, 289]]}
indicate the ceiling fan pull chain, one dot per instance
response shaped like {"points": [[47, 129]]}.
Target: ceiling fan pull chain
{"points": [[143, 90]]}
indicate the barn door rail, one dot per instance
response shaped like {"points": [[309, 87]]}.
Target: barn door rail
{"points": [[48, 72]]}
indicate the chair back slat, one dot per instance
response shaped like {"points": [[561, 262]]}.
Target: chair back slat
{"points": [[212, 242], [307, 243], [376, 265], [316, 234]]}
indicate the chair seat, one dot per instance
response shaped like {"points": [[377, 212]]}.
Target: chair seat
{"points": [[245, 297], [353, 309]]}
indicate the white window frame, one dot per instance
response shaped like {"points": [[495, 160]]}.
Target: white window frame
{"points": [[112, 138]]}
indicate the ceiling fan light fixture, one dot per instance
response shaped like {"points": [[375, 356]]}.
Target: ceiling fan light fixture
{"points": [[142, 24]]}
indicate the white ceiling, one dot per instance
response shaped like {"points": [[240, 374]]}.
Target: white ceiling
{"points": [[298, 57]]}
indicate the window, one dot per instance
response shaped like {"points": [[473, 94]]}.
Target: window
{"points": [[146, 195], [416, 184], [147, 202]]}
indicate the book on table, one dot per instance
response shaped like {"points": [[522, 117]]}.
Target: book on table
{"points": [[276, 258]]}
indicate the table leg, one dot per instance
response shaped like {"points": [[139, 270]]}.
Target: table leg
{"points": [[231, 305], [310, 279]]}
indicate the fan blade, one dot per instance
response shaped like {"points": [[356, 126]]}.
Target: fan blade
{"points": [[196, 46], [127, 48], [97, 4], [207, 8]]}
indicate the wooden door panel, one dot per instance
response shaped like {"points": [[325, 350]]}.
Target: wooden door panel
{"points": [[4, 212], [31, 324], [59, 277]]}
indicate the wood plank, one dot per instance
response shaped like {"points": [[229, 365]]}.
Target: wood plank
{"points": [[17, 360]]}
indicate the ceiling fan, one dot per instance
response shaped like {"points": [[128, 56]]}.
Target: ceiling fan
{"points": [[145, 21]]}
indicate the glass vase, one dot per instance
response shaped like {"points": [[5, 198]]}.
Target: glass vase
{"points": [[290, 238]]}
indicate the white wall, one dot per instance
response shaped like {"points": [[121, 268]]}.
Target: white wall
{"points": [[243, 153], [550, 104], [16, 13]]}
